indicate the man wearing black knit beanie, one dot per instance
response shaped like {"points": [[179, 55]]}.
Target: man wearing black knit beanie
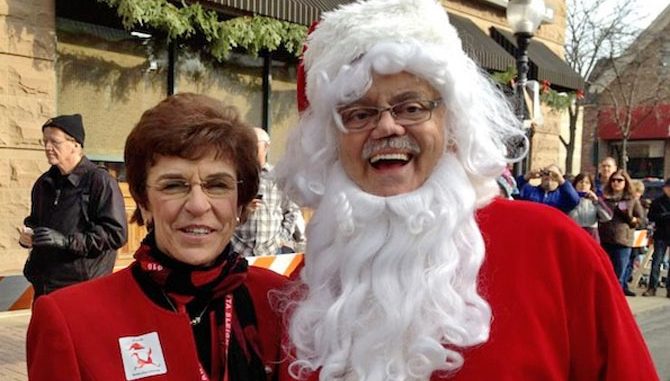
{"points": [[77, 219]]}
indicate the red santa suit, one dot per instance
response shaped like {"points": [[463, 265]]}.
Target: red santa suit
{"points": [[558, 311], [106, 328]]}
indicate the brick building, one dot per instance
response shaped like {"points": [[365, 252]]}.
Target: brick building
{"points": [[632, 97], [61, 57]]}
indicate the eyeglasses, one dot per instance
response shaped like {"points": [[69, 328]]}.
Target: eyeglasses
{"points": [[617, 180], [179, 188], [407, 113]]}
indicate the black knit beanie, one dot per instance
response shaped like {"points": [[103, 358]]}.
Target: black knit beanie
{"points": [[70, 124]]}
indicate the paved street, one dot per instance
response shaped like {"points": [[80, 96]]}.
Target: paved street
{"points": [[653, 315]]}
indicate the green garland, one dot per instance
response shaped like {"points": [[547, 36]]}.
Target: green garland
{"points": [[557, 101], [252, 34], [552, 98]]}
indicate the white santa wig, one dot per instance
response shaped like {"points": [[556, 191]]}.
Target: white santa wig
{"points": [[387, 37], [391, 282]]}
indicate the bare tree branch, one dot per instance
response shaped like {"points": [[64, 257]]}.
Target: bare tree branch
{"points": [[595, 29], [637, 85]]}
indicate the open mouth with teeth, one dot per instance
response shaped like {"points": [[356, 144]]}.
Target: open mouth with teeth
{"points": [[390, 160], [198, 231]]}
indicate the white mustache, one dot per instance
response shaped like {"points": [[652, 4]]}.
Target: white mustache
{"points": [[405, 143]]}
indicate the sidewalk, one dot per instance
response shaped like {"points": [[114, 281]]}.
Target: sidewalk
{"points": [[13, 327], [643, 306]]}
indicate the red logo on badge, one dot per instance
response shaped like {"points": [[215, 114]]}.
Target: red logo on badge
{"points": [[137, 350]]}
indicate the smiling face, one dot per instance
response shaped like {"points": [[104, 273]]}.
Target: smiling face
{"points": [[392, 159], [192, 227]]}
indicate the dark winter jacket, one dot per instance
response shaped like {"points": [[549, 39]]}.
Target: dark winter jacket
{"points": [[85, 205], [659, 214]]}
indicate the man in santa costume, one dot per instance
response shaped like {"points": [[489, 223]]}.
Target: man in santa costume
{"points": [[414, 270]]}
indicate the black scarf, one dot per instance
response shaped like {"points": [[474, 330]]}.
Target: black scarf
{"points": [[186, 285]]}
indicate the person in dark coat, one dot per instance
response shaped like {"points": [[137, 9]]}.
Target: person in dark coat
{"points": [[659, 214], [77, 218]]}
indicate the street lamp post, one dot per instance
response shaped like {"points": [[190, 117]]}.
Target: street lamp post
{"points": [[524, 17]]}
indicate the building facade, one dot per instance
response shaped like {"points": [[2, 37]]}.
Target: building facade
{"points": [[62, 57], [632, 100]]}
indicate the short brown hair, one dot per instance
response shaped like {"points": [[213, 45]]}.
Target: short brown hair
{"points": [[190, 126], [584, 176]]}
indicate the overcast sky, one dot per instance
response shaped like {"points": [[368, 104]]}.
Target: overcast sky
{"points": [[649, 9]]}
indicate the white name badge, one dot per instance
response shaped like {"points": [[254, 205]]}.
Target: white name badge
{"points": [[142, 356]]}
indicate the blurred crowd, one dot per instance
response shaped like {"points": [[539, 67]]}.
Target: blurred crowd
{"points": [[613, 209]]}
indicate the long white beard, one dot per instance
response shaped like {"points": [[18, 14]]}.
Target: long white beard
{"points": [[391, 281]]}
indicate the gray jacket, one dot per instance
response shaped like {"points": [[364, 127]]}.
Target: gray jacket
{"points": [[588, 213]]}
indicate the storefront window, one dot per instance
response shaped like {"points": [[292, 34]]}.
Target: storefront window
{"points": [[110, 77], [239, 82], [283, 106], [645, 158]]}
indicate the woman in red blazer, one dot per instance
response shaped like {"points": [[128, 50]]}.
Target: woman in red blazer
{"points": [[188, 308]]}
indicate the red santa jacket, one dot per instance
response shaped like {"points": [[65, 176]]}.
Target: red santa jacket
{"points": [[558, 310], [106, 328]]}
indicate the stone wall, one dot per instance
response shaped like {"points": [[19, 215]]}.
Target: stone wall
{"points": [[27, 99]]}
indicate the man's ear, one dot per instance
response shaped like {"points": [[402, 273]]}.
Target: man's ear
{"points": [[78, 149]]}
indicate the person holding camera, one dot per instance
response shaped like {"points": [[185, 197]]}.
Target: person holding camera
{"points": [[553, 189]]}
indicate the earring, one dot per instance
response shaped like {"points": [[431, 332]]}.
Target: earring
{"points": [[237, 219]]}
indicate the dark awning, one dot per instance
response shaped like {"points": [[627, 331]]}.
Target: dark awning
{"points": [[544, 64], [480, 47], [296, 11], [100, 31]]}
